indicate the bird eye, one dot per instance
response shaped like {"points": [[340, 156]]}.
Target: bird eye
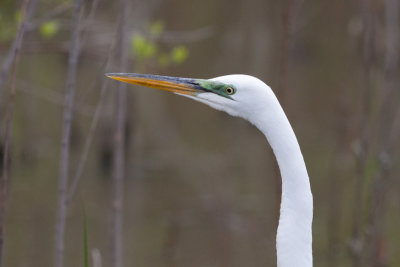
{"points": [[229, 90]]}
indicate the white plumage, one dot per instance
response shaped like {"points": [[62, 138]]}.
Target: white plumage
{"points": [[252, 100]]}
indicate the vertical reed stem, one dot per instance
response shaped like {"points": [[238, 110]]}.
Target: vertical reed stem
{"points": [[65, 142], [119, 148]]}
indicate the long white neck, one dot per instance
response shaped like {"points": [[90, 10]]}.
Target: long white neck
{"points": [[294, 235]]}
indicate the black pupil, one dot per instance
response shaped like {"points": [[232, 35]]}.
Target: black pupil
{"points": [[229, 90]]}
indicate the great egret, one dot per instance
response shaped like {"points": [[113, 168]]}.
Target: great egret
{"points": [[250, 98]]}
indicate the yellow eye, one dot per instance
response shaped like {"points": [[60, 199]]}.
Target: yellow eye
{"points": [[229, 90]]}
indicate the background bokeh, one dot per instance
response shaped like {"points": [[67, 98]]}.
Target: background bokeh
{"points": [[201, 188]]}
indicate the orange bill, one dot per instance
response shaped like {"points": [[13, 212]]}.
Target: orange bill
{"points": [[185, 86]]}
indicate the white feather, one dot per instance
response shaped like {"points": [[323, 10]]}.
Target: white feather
{"points": [[255, 102]]}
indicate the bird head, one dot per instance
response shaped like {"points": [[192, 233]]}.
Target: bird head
{"points": [[238, 95]]}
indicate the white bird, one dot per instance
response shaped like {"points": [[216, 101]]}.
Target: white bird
{"points": [[251, 99]]}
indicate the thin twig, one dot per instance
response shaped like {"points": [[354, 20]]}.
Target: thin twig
{"points": [[9, 117], [386, 119], [85, 27], [92, 12], [119, 148], [357, 242], [334, 184], [90, 135], [64, 160], [58, 10], [5, 69], [173, 37], [95, 120], [55, 98]]}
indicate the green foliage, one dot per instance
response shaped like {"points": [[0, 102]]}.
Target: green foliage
{"points": [[156, 28], [142, 47], [49, 28], [147, 48], [85, 240], [179, 54]]}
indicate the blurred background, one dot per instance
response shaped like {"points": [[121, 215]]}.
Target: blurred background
{"points": [[165, 181]]}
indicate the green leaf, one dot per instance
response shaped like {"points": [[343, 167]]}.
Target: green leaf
{"points": [[85, 240], [156, 28], [49, 29], [142, 47], [179, 54]]}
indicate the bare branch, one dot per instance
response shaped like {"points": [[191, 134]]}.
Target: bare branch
{"points": [[14, 56], [90, 135], [58, 10], [95, 119], [5, 69], [386, 119], [187, 36], [357, 242], [92, 12], [54, 97], [64, 160], [119, 148]]}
